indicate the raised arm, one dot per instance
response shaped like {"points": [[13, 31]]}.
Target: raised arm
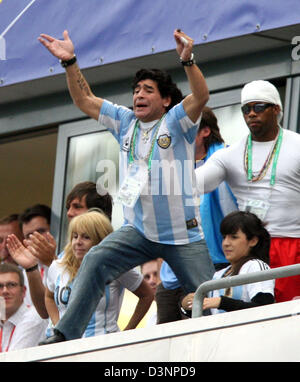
{"points": [[194, 102], [79, 89]]}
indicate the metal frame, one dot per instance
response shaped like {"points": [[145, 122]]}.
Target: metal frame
{"points": [[65, 133], [227, 282], [292, 103]]}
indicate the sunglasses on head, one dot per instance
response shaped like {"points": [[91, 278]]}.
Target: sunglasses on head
{"points": [[257, 107]]}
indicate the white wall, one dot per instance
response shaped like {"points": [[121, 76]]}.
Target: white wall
{"points": [[269, 333]]}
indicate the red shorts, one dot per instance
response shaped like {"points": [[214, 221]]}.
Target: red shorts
{"points": [[285, 251]]}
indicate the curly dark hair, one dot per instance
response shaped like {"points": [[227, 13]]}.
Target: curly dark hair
{"points": [[165, 84]]}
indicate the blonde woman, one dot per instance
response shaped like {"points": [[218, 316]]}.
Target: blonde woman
{"points": [[85, 231]]}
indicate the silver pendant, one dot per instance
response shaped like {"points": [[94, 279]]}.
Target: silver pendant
{"points": [[145, 137]]}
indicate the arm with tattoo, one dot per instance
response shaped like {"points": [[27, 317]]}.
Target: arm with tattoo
{"points": [[79, 89]]}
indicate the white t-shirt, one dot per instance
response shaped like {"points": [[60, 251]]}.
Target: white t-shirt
{"points": [[105, 317], [248, 291], [283, 215]]}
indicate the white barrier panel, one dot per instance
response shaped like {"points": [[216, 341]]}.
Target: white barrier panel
{"points": [[265, 334], [2, 308]]}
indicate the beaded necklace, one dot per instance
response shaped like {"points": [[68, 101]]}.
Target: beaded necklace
{"points": [[274, 152]]}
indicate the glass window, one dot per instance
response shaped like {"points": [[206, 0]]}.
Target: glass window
{"points": [[231, 123], [93, 157]]}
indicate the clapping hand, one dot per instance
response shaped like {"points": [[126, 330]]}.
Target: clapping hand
{"points": [[42, 247], [19, 252]]}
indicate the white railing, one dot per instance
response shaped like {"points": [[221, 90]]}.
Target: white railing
{"points": [[249, 278]]}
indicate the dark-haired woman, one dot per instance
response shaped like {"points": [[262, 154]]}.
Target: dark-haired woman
{"points": [[246, 245]]}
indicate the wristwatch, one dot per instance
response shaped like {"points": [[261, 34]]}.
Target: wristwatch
{"points": [[189, 62], [67, 63]]}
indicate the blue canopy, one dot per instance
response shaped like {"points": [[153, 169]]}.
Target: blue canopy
{"points": [[106, 31]]}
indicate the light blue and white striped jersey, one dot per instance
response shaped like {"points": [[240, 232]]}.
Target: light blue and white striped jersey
{"points": [[168, 209], [104, 319]]}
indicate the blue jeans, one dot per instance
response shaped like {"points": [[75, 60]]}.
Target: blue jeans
{"points": [[122, 250]]}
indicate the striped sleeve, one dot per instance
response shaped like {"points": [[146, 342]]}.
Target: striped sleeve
{"points": [[253, 289], [113, 116]]}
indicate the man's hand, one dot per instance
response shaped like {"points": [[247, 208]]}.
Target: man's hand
{"points": [[41, 247], [62, 49], [19, 253], [193, 103], [184, 45], [187, 302]]}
